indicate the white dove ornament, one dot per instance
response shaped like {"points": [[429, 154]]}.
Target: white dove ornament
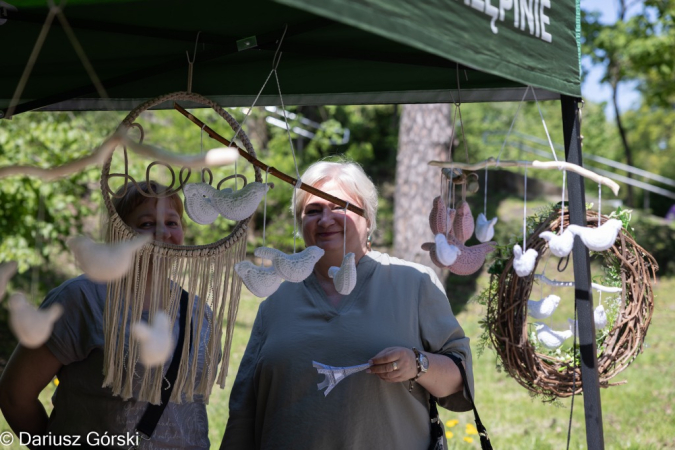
{"points": [[32, 326], [241, 204], [156, 339], [541, 309], [344, 277], [7, 271], [549, 338], [446, 253], [261, 281], [523, 263], [295, 267], [599, 317], [559, 245], [199, 204], [598, 239], [485, 230], [105, 262]]}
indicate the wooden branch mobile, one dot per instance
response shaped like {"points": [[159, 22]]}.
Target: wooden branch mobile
{"points": [[492, 162], [272, 171]]}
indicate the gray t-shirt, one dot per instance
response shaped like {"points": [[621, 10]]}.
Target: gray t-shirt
{"points": [[81, 404], [275, 403]]}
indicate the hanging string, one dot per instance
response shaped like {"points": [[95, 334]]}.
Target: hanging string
{"points": [[525, 213], [35, 275], [267, 172], [295, 216], [522, 100], [201, 151], [562, 207], [485, 193], [344, 234], [191, 63], [599, 204], [288, 128], [461, 122], [548, 136]]}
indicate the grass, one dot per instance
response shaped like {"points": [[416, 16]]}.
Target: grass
{"points": [[636, 415]]}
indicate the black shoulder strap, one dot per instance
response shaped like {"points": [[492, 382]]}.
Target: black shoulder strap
{"points": [[151, 416], [482, 432]]}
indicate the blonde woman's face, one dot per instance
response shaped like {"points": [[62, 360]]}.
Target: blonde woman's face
{"points": [[323, 222], [159, 218]]}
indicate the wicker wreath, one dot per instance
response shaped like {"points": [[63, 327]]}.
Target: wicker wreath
{"points": [[546, 375]]}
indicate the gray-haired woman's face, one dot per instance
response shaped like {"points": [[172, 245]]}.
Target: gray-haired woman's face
{"points": [[323, 222]]}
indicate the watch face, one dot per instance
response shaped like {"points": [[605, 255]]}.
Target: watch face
{"points": [[424, 362]]}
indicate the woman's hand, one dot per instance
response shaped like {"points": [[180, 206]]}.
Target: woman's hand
{"points": [[394, 364]]}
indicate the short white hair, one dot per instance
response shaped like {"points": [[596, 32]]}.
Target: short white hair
{"points": [[350, 177]]}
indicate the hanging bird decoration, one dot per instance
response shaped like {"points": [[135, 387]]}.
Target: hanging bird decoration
{"points": [[549, 338], [7, 271], [598, 239], [541, 309], [599, 317], [199, 205], [523, 263], [485, 228], [294, 267], [32, 326], [237, 205], [105, 262], [344, 277], [559, 245], [441, 217], [261, 281], [463, 225], [156, 339], [446, 252]]}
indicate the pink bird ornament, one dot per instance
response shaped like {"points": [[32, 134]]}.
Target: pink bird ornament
{"points": [[441, 217], [463, 225]]}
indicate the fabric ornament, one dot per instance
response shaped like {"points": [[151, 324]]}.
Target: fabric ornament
{"points": [[344, 277], [463, 225], [549, 338], [559, 245], [106, 262], [335, 374], [294, 267], [446, 252], [441, 217], [241, 204], [485, 228], [156, 339], [7, 271], [541, 309], [32, 326], [598, 239], [261, 281], [599, 317], [199, 205], [523, 263]]}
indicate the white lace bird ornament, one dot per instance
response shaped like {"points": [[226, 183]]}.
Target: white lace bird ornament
{"points": [[198, 203], [523, 263], [445, 252], [485, 228], [7, 271], [105, 262], [549, 338], [541, 309], [294, 267], [261, 281], [241, 204], [32, 326], [598, 239], [559, 245], [344, 277], [156, 339]]}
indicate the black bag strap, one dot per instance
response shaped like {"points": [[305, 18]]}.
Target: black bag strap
{"points": [[151, 416], [482, 432]]}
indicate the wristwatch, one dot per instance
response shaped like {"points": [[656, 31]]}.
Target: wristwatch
{"points": [[422, 363]]}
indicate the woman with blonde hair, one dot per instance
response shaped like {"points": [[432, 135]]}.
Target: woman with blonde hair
{"points": [[397, 318]]}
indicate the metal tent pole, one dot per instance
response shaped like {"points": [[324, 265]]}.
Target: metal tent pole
{"points": [[582, 278]]}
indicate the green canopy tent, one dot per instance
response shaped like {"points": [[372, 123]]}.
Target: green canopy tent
{"points": [[334, 52]]}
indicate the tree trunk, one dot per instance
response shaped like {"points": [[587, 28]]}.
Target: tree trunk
{"points": [[424, 135]]}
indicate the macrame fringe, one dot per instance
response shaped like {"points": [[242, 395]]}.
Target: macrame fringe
{"points": [[207, 275]]}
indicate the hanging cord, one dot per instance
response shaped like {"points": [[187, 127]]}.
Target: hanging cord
{"points": [[485, 193], [295, 216], [191, 64], [344, 234], [201, 151], [599, 204], [458, 109], [288, 128], [548, 136], [525, 214], [522, 100], [35, 275], [267, 172], [562, 207], [574, 376]]}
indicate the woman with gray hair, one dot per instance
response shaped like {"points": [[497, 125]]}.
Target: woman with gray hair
{"points": [[397, 319]]}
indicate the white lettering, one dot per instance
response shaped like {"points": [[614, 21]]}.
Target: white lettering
{"points": [[504, 5], [545, 20], [22, 435], [492, 11], [516, 13], [478, 4]]}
